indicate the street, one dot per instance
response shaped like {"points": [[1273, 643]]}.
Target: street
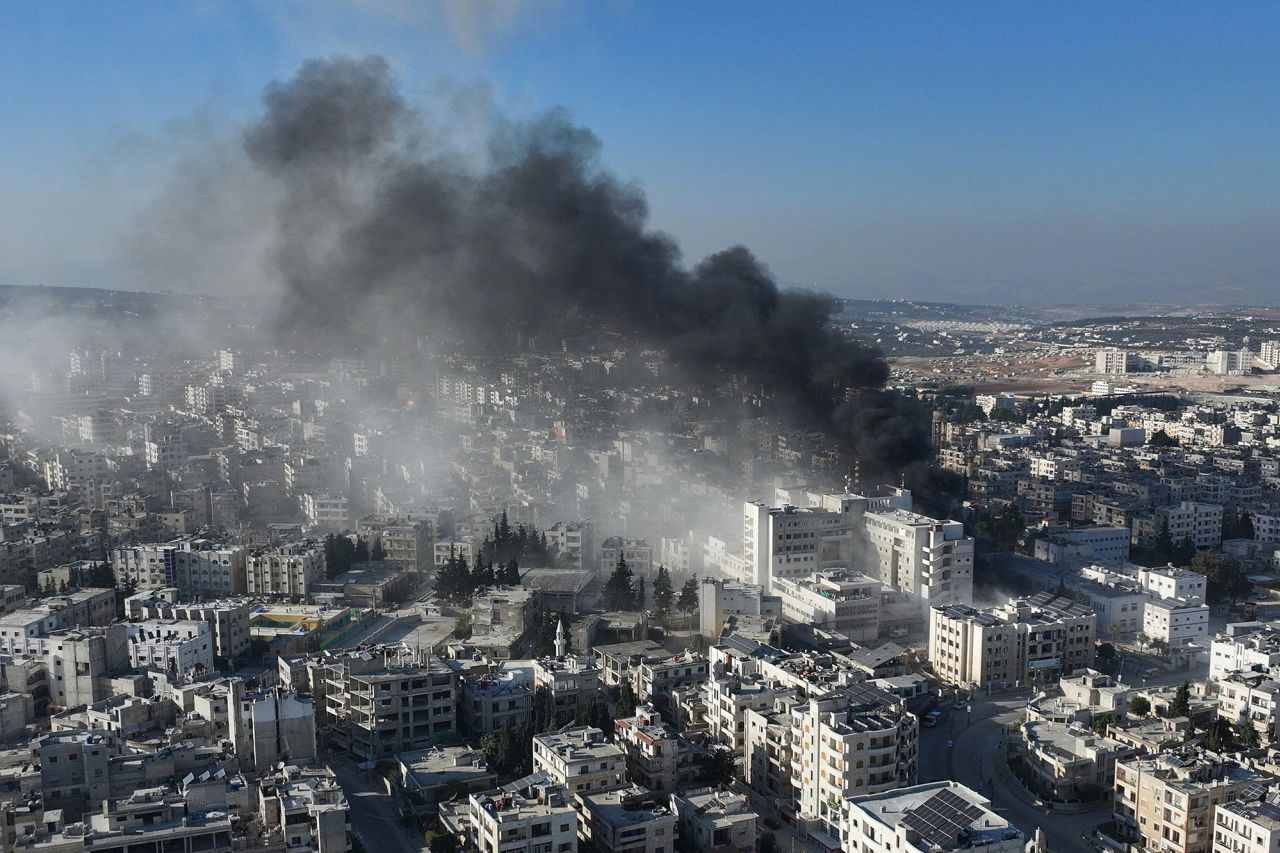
{"points": [[975, 759], [374, 817]]}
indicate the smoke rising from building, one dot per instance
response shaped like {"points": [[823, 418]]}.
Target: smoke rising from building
{"points": [[383, 226]]}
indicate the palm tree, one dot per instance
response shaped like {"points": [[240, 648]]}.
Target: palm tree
{"points": [[1143, 639]]}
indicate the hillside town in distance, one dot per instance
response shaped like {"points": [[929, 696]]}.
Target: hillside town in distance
{"points": [[549, 599]]}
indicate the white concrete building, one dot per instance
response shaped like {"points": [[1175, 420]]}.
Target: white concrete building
{"points": [[718, 600], [1242, 647], [929, 818], [178, 646], [539, 818], [194, 566], [580, 760], [1175, 623], [845, 602], [287, 571]]}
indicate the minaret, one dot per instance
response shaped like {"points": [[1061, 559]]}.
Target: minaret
{"points": [[562, 639], [1038, 844]]}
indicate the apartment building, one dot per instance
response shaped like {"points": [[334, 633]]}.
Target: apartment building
{"points": [[657, 756], [528, 816], [627, 820], [178, 646], [1169, 801], [715, 820], [1249, 825], [1244, 646], [637, 552], [309, 810], [406, 543], [580, 760], [1199, 522], [726, 700], [197, 567], [1250, 698], [228, 620], [935, 817], [326, 511], [574, 544], [288, 571], [1028, 640], [720, 599], [382, 701], [572, 683], [493, 702], [837, 600], [924, 558]]}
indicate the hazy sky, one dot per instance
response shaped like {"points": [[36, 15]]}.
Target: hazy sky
{"points": [[997, 152]]}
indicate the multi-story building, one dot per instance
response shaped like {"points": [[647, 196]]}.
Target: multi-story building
{"points": [[627, 820], [1172, 582], [580, 760], [727, 699], [1248, 825], [573, 543], [845, 602], [657, 756], [195, 566], [1269, 354], [853, 741], [1026, 641], [935, 817], [720, 599], [1199, 522], [637, 552], [309, 809], [176, 646], [1244, 646], [715, 820], [573, 683], [1115, 361], [406, 543], [1106, 545], [287, 571], [1174, 622], [527, 816], [326, 511], [655, 677], [382, 701], [1072, 762], [1253, 699], [493, 702], [228, 620], [927, 559], [1169, 801]]}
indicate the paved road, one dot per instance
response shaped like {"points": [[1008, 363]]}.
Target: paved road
{"points": [[374, 815], [975, 759]]}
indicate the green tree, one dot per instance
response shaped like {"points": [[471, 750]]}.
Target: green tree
{"points": [[664, 594], [1138, 706], [642, 597], [627, 699], [688, 601], [1246, 735], [768, 843], [377, 552], [441, 841], [1160, 438], [1225, 580], [361, 554], [462, 626], [1184, 552], [510, 574], [1181, 704], [619, 590], [339, 554], [716, 766]]}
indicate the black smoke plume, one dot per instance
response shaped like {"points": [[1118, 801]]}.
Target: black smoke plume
{"points": [[382, 221]]}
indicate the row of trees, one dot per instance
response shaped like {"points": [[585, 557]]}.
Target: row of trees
{"points": [[457, 580], [520, 544], [341, 552], [624, 591]]}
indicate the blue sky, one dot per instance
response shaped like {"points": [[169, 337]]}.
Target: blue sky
{"points": [[1032, 152]]}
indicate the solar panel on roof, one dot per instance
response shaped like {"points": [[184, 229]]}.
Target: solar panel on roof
{"points": [[942, 818], [1253, 792]]}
